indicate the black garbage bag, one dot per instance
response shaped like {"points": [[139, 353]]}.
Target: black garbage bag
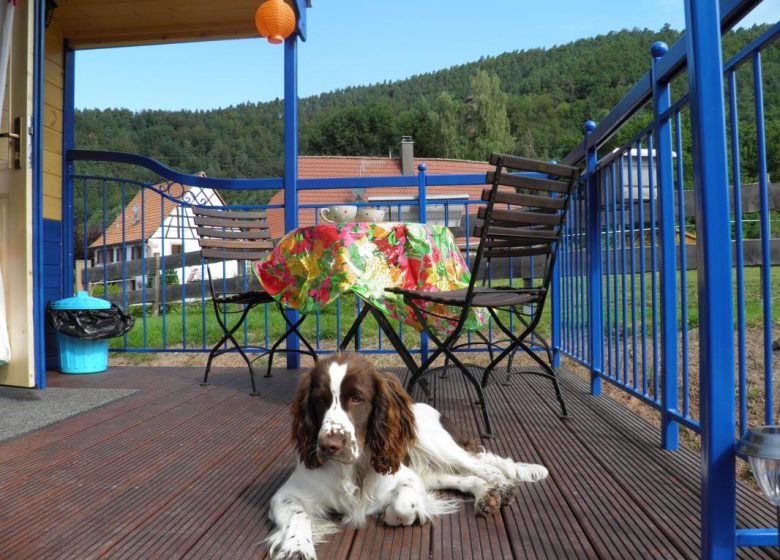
{"points": [[91, 324]]}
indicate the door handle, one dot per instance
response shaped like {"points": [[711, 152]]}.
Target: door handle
{"points": [[16, 138]]}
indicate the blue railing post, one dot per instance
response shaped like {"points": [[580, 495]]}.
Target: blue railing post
{"points": [[422, 213], [555, 312], [713, 242], [291, 170], [595, 275], [670, 431]]}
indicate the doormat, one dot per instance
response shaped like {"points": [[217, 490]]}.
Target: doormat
{"points": [[25, 410]]}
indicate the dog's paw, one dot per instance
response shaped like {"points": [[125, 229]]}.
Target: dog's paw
{"points": [[295, 548], [507, 491], [531, 473], [489, 502], [404, 509]]}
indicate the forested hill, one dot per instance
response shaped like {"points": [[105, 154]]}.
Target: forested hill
{"points": [[530, 102]]}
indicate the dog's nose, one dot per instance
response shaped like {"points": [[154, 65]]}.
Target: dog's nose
{"points": [[331, 444]]}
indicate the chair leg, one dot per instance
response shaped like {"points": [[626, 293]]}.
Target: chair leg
{"points": [[217, 351], [443, 347]]}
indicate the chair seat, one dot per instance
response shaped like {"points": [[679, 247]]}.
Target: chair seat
{"points": [[254, 297], [482, 296]]}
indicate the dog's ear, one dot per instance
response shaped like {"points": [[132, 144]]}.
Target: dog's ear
{"points": [[391, 429], [304, 425]]}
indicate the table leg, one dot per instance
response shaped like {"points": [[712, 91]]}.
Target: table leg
{"points": [[394, 339], [355, 326]]}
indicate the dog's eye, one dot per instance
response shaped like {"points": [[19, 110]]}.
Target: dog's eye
{"points": [[355, 399]]}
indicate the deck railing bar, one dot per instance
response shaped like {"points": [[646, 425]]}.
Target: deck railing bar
{"points": [[583, 245], [645, 398], [675, 108], [662, 135], [143, 264], [124, 257], [653, 262], [756, 45], [766, 270], [624, 301], [172, 175], [736, 178], [608, 272], [626, 163], [105, 248], [615, 273], [683, 266], [163, 279]]}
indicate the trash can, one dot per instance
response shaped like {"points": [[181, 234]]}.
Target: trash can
{"points": [[84, 324]]}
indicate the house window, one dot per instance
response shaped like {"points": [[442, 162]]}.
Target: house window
{"points": [[135, 252]]}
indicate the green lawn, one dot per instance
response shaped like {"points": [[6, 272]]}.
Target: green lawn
{"points": [[256, 323]]}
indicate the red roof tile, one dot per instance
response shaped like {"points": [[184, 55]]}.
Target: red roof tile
{"points": [[320, 167]]}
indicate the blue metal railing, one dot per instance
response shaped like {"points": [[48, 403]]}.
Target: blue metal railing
{"points": [[645, 211], [176, 319]]}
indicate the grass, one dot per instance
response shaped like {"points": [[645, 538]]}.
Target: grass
{"points": [[203, 331], [614, 286]]}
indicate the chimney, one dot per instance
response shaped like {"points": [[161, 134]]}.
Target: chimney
{"points": [[407, 155]]}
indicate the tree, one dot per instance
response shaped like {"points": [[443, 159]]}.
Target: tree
{"points": [[487, 123]]}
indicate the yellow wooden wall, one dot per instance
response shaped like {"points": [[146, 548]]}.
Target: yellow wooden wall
{"points": [[54, 76]]}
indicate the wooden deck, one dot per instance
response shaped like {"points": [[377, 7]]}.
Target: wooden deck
{"points": [[177, 470]]}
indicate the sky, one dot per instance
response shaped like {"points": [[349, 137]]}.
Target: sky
{"points": [[358, 42]]}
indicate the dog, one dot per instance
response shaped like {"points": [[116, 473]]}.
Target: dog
{"points": [[364, 448]]}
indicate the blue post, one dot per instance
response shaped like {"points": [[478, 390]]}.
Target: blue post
{"points": [[291, 169], [595, 274], [68, 142], [555, 311], [713, 238], [670, 430], [36, 149], [422, 194], [422, 212]]}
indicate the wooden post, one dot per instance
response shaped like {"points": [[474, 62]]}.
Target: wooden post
{"points": [[81, 282], [157, 281]]}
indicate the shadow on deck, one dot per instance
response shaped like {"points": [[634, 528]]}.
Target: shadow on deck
{"points": [[177, 470]]}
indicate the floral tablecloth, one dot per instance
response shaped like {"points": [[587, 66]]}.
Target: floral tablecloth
{"points": [[312, 266]]}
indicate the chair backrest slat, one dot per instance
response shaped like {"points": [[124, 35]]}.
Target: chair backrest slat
{"points": [[506, 252], [217, 212], [530, 183], [226, 254], [236, 244], [520, 217], [538, 235], [521, 199], [218, 233], [229, 223], [533, 165]]}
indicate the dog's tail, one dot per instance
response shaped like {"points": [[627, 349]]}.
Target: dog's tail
{"points": [[436, 505]]}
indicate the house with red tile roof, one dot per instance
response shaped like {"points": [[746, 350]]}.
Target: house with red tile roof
{"points": [[395, 200], [155, 224]]}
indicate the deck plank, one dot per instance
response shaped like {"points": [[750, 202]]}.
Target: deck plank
{"points": [[177, 470]]}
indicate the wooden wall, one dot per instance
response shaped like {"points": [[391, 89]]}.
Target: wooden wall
{"points": [[52, 121]]}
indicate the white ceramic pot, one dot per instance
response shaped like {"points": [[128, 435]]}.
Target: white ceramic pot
{"points": [[367, 214], [338, 214]]}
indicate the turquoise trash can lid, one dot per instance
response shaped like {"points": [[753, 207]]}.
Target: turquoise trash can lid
{"points": [[82, 300]]}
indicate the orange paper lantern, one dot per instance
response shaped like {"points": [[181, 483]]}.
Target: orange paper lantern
{"points": [[276, 20]]}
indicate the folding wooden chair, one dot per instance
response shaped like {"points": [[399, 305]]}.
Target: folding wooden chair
{"points": [[522, 220], [239, 235]]}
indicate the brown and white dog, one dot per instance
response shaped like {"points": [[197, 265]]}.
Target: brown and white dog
{"points": [[365, 449]]}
